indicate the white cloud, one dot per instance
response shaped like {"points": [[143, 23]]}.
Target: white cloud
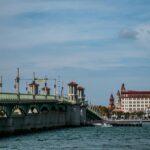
{"points": [[128, 34], [140, 32], [144, 34]]}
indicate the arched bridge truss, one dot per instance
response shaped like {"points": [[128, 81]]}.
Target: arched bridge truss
{"points": [[28, 108]]}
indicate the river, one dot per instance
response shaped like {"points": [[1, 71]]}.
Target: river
{"points": [[85, 138]]}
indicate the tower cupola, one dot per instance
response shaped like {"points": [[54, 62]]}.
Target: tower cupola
{"points": [[72, 91], [80, 92], [33, 88]]}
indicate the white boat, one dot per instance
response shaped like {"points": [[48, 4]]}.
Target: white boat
{"points": [[97, 124], [106, 125]]}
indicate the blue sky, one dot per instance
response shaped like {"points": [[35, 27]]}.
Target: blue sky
{"points": [[99, 44]]}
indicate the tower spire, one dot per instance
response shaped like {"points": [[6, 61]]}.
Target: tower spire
{"points": [[123, 88]]}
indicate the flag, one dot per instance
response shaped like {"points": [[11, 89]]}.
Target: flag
{"points": [[40, 80]]}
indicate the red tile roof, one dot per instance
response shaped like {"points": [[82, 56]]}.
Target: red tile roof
{"points": [[33, 83], [72, 83], [45, 88], [80, 88], [135, 94]]}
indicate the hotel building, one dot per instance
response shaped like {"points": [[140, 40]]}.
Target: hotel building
{"points": [[132, 101]]}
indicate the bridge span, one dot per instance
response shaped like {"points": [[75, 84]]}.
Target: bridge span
{"points": [[21, 112], [28, 112]]}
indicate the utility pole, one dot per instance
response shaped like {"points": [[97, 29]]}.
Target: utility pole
{"points": [[17, 80], [62, 89], [1, 84], [54, 87], [45, 87], [33, 76], [59, 86]]}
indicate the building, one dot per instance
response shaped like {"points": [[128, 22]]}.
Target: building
{"points": [[132, 101], [111, 106]]}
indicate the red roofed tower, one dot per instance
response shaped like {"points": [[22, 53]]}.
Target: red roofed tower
{"points": [[46, 90], [111, 103], [72, 91], [33, 88], [80, 92]]}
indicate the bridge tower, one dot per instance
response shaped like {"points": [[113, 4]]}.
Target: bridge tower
{"points": [[80, 92], [33, 87], [46, 89], [72, 91]]}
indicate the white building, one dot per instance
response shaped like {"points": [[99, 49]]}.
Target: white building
{"points": [[131, 101]]}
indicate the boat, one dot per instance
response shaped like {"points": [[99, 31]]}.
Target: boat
{"points": [[106, 125], [97, 124]]}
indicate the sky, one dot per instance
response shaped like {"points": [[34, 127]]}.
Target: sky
{"points": [[100, 44]]}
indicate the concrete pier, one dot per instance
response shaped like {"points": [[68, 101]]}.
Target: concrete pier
{"points": [[123, 123]]}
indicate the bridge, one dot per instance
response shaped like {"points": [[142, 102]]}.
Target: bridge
{"points": [[33, 110], [26, 112], [12, 104]]}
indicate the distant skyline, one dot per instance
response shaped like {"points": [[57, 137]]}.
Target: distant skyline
{"points": [[98, 44]]}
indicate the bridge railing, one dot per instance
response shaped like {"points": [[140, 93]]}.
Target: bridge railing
{"points": [[6, 96], [14, 96], [95, 112], [28, 97]]}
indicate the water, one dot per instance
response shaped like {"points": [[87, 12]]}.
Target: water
{"points": [[87, 138]]}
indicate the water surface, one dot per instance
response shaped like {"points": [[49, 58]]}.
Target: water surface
{"points": [[86, 138]]}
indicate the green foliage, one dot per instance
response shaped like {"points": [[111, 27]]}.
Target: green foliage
{"points": [[101, 109], [128, 115]]}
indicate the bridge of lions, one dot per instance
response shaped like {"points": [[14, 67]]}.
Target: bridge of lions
{"points": [[19, 104], [26, 104]]}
